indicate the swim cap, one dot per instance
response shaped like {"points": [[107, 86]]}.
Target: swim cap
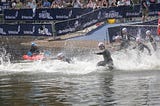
{"points": [[34, 44], [100, 44], [138, 39], [60, 55], [124, 30], [148, 32]]}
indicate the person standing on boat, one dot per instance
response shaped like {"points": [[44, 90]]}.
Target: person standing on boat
{"points": [[126, 38], [151, 39], [106, 55], [33, 50]]}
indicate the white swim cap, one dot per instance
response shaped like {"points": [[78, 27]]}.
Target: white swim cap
{"points": [[60, 55], [100, 44], [124, 30], [138, 39], [148, 32]]}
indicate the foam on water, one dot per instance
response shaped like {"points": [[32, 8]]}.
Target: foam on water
{"points": [[128, 60], [133, 60], [56, 66]]}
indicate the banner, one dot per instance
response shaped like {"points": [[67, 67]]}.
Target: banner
{"points": [[4, 5], [44, 13], [26, 29], [73, 20], [78, 23], [102, 14], [70, 13]]}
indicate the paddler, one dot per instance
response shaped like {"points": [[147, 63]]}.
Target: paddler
{"points": [[33, 50]]}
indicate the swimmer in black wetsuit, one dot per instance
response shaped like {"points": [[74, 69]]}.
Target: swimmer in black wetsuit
{"points": [[126, 38], [61, 57], [106, 55], [151, 39], [141, 46]]}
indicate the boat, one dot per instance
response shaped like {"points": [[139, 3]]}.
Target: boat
{"points": [[34, 57]]}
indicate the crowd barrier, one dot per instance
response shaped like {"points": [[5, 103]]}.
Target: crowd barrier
{"points": [[75, 19], [26, 29], [70, 13], [44, 13], [3, 5], [102, 14]]}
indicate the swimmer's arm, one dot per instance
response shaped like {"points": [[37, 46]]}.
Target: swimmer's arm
{"points": [[149, 51]]}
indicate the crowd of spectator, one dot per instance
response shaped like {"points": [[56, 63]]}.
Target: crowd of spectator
{"points": [[21, 4]]}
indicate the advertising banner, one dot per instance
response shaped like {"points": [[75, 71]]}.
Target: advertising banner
{"points": [[26, 29], [44, 13], [3, 6]]}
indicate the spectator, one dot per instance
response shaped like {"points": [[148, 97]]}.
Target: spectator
{"points": [[32, 4], [105, 3], [39, 4], [121, 3], [152, 1], [46, 4], [54, 5], [3, 0], [19, 4], [77, 4], [144, 10], [113, 3], [13, 4], [99, 3], [128, 2], [91, 4], [68, 3], [24, 5]]}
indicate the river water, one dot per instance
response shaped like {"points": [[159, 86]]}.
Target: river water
{"points": [[134, 82]]}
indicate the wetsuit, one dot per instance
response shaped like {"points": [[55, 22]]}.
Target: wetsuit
{"points": [[68, 60], [141, 47], [126, 41], [153, 43], [34, 50], [107, 59]]}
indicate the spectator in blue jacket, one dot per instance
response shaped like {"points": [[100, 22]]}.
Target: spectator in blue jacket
{"points": [[46, 3]]}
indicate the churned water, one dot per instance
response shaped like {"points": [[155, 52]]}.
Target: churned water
{"points": [[134, 82]]}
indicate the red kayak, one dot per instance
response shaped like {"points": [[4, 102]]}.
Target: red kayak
{"points": [[34, 57]]}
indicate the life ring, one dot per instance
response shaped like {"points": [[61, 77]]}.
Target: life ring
{"points": [[158, 28]]}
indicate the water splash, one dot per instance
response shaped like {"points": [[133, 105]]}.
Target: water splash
{"points": [[4, 57], [135, 60], [128, 60]]}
